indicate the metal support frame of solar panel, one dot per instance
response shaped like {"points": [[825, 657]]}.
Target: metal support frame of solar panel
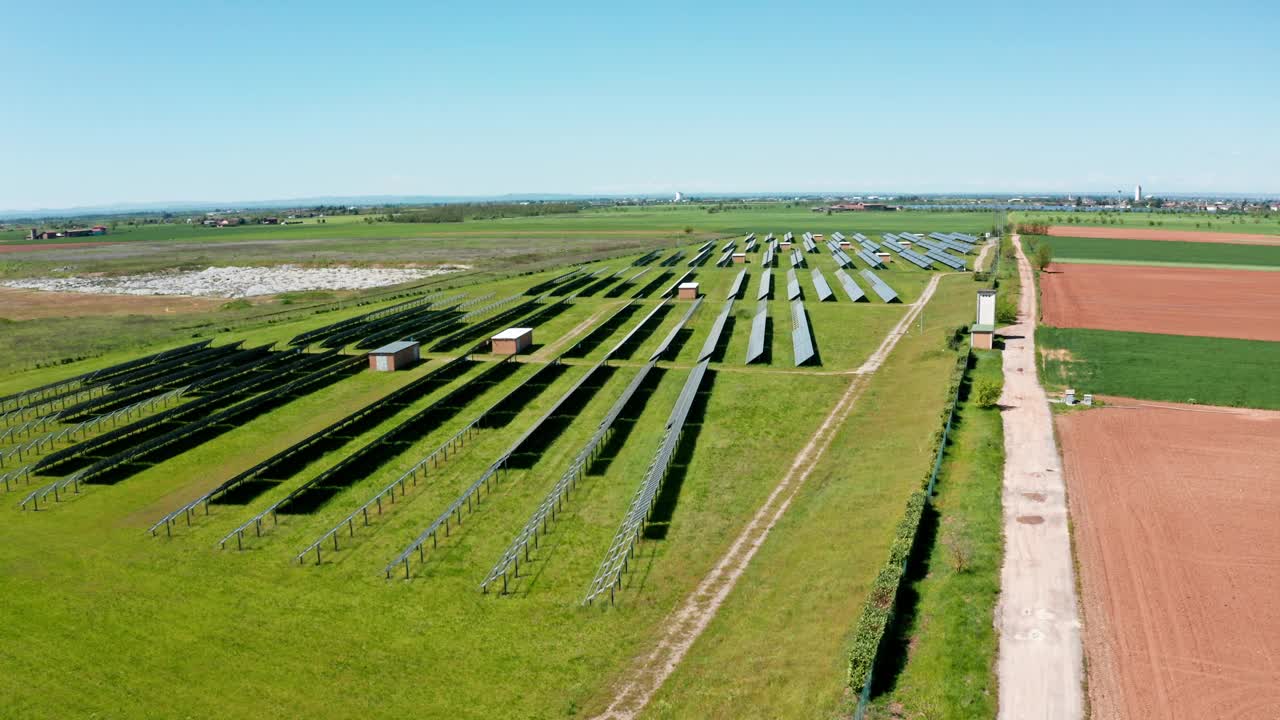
{"points": [[793, 285], [671, 336], [472, 492], [676, 285], [822, 286], [726, 259], [387, 404], [879, 287], [554, 500], [755, 344], [797, 258], [738, 283], [617, 558], [801, 337], [851, 288], [766, 285]]}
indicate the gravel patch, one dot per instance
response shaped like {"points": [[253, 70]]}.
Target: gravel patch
{"points": [[235, 282]]}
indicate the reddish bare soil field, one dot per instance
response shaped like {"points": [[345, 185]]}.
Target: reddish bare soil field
{"points": [[1170, 300], [1174, 513], [32, 247], [1124, 233], [18, 304]]}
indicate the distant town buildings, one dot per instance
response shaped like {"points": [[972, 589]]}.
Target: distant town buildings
{"points": [[35, 234], [679, 197], [1137, 193], [856, 207]]}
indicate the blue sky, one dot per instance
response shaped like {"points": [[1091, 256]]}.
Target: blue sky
{"points": [[150, 101]]}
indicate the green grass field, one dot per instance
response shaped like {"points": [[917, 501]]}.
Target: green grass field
{"points": [[152, 625], [1173, 368], [778, 646], [940, 661], [1160, 252]]}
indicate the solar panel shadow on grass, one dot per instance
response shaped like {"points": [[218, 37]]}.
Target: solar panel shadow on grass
{"points": [[801, 338], [766, 285], [717, 328], [671, 336], [672, 259], [670, 291], [850, 287], [793, 285], [652, 285], [603, 331], [820, 284], [756, 343]]}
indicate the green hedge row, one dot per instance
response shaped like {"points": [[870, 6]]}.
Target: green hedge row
{"points": [[878, 609]]}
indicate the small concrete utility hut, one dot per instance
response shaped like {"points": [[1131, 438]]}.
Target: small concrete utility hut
{"points": [[395, 356], [982, 334], [512, 341]]}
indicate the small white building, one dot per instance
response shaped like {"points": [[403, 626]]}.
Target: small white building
{"points": [[982, 334], [687, 291]]}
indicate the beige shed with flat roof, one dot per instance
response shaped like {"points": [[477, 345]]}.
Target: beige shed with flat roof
{"points": [[512, 341], [687, 291]]}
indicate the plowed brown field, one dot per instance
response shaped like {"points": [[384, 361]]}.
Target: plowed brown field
{"points": [[1174, 512], [1124, 233], [1169, 300]]}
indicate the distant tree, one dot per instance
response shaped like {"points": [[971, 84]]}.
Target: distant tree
{"points": [[688, 229]]}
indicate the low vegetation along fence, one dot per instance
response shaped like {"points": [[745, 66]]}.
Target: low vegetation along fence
{"points": [[877, 613]]}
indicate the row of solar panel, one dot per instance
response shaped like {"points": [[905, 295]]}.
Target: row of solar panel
{"points": [[879, 287]]}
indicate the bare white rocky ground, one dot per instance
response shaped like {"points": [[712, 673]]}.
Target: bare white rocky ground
{"points": [[234, 282]]}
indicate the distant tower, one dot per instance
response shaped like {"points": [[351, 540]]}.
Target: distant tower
{"points": [[1137, 193], [679, 197]]}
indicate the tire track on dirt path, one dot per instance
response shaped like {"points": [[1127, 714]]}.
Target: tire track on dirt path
{"points": [[693, 616], [1040, 659]]}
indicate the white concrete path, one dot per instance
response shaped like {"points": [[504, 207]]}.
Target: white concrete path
{"points": [[1039, 664]]}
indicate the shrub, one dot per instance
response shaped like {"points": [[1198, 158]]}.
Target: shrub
{"points": [[986, 392], [1006, 310], [959, 545]]}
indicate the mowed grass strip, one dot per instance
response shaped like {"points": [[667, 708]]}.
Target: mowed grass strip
{"points": [[1160, 252], [1173, 368], [778, 646], [939, 660]]}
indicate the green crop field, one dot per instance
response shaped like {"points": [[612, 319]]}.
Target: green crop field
{"points": [[1264, 224], [113, 621], [1161, 252], [1173, 368]]}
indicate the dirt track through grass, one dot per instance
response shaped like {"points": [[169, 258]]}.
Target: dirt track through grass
{"points": [[684, 627]]}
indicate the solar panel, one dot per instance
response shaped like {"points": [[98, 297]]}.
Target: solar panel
{"points": [[787, 238], [793, 285], [768, 238], [766, 282], [755, 344], [850, 287], [767, 261], [749, 237], [797, 258], [707, 245], [671, 336], [948, 260], [879, 287], [751, 246], [837, 237], [717, 328], [726, 259], [870, 259], [700, 258], [675, 285], [738, 283], [801, 339], [820, 284], [728, 246]]}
